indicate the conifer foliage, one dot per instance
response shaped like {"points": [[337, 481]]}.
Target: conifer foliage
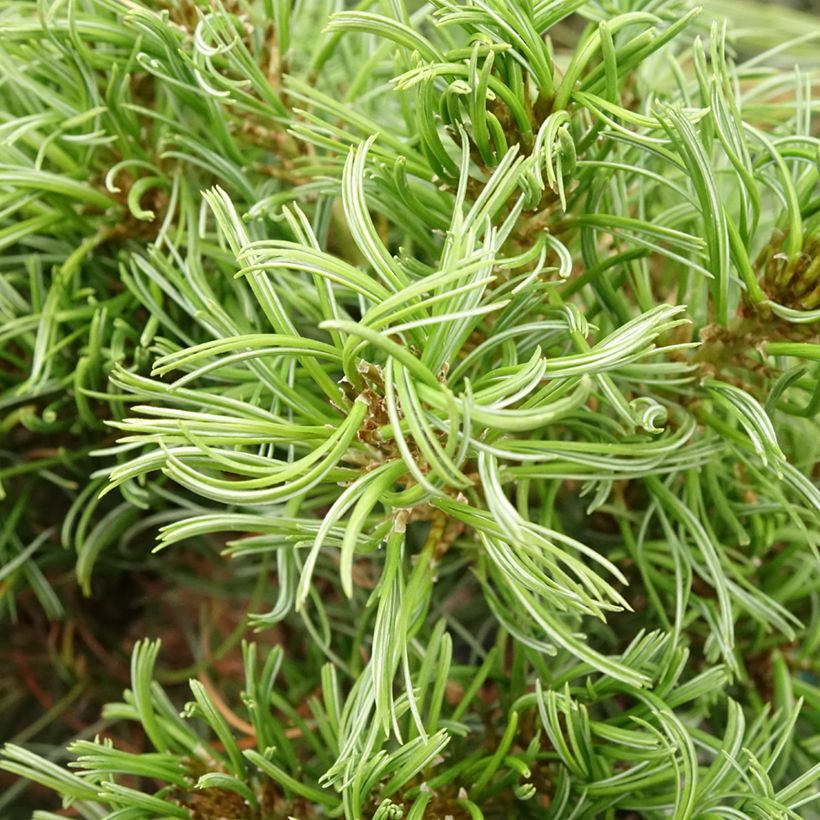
{"points": [[481, 337]]}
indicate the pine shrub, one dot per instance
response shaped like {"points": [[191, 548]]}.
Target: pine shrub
{"points": [[458, 361]]}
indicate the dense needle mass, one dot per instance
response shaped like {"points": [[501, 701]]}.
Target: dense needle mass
{"points": [[481, 338]]}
